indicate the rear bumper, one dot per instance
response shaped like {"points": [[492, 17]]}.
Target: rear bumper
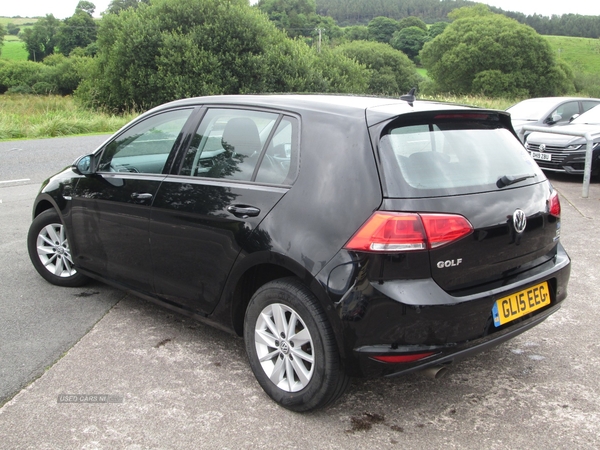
{"points": [[408, 317], [456, 353]]}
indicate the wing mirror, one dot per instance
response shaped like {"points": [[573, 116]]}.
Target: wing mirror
{"points": [[551, 120], [84, 165]]}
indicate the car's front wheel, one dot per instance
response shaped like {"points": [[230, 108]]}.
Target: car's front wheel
{"points": [[291, 347], [49, 251]]}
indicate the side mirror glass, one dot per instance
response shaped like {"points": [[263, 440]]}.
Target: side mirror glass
{"points": [[83, 165]]}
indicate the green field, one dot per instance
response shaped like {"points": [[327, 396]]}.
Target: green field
{"points": [[582, 54], [18, 21], [13, 49]]}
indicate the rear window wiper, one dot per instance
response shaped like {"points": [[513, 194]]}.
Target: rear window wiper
{"points": [[507, 180]]}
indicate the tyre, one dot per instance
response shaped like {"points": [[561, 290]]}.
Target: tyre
{"points": [[291, 347], [49, 251]]}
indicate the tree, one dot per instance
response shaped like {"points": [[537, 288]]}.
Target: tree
{"points": [[79, 30], [116, 6], [479, 10], [412, 21], [493, 51], [436, 29], [12, 29], [356, 33], [381, 29], [40, 39], [86, 6], [392, 73], [171, 49], [410, 41], [299, 18]]}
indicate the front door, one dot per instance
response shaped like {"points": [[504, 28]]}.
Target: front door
{"points": [[113, 205]]}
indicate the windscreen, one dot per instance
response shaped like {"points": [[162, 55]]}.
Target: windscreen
{"points": [[453, 154], [590, 117], [532, 109]]}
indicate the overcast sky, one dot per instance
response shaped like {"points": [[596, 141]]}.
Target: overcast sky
{"points": [[65, 8]]}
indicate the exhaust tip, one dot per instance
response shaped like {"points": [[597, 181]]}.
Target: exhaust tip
{"points": [[436, 372]]}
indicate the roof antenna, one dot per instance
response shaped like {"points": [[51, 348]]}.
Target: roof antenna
{"points": [[410, 97]]}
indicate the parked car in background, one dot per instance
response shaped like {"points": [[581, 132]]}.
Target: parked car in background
{"points": [[548, 111], [565, 153], [340, 236]]}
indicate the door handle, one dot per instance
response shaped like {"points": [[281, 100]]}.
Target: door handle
{"points": [[141, 196], [243, 211]]}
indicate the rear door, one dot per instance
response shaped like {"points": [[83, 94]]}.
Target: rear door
{"points": [[239, 164]]}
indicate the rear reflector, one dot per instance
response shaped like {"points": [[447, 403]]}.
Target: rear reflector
{"points": [[402, 358], [402, 232], [554, 205]]}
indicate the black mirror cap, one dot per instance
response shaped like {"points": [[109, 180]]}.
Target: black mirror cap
{"points": [[84, 165]]}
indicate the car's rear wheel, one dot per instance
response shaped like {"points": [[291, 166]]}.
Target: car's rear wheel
{"points": [[49, 251], [291, 347]]}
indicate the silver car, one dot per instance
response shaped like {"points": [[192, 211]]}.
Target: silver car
{"points": [[549, 111], [565, 153]]}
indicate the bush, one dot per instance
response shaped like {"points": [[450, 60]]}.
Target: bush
{"points": [[587, 84], [473, 51], [170, 49], [61, 73], [21, 89], [43, 88], [494, 83], [392, 72], [19, 74]]}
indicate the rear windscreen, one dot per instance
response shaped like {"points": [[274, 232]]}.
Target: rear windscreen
{"points": [[448, 155]]}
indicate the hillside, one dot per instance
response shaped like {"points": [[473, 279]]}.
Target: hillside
{"points": [[582, 54]]}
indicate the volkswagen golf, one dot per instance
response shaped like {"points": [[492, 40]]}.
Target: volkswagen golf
{"points": [[340, 236]]}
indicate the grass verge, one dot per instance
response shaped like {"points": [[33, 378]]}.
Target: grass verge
{"points": [[34, 117]]}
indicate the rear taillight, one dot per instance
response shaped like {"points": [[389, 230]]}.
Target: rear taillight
{"points": [[402, 358], [554, 204], [402, 232]]}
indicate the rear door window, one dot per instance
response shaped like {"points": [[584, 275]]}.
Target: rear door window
{"points": [[243, 145], [446, 155]]}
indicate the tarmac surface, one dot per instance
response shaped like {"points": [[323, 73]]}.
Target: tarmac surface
{"points": [[144, 377]]}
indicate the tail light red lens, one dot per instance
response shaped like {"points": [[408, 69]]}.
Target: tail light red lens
{"points": [[554, 205], [401, 232], [402, 358]]}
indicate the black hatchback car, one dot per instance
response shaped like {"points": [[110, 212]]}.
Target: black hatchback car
{"points": [[340, 236]]}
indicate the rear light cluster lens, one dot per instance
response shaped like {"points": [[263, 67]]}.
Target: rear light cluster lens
{"points": [[404, 232], [554, 205], [402, 358]]}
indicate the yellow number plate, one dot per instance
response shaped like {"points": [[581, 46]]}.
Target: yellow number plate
{"points": [[520, 303]]}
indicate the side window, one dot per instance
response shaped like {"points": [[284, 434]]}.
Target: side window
{"points": [[145, 147], [279, 163], [229, 144], [566, 111], [587, 105]]}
